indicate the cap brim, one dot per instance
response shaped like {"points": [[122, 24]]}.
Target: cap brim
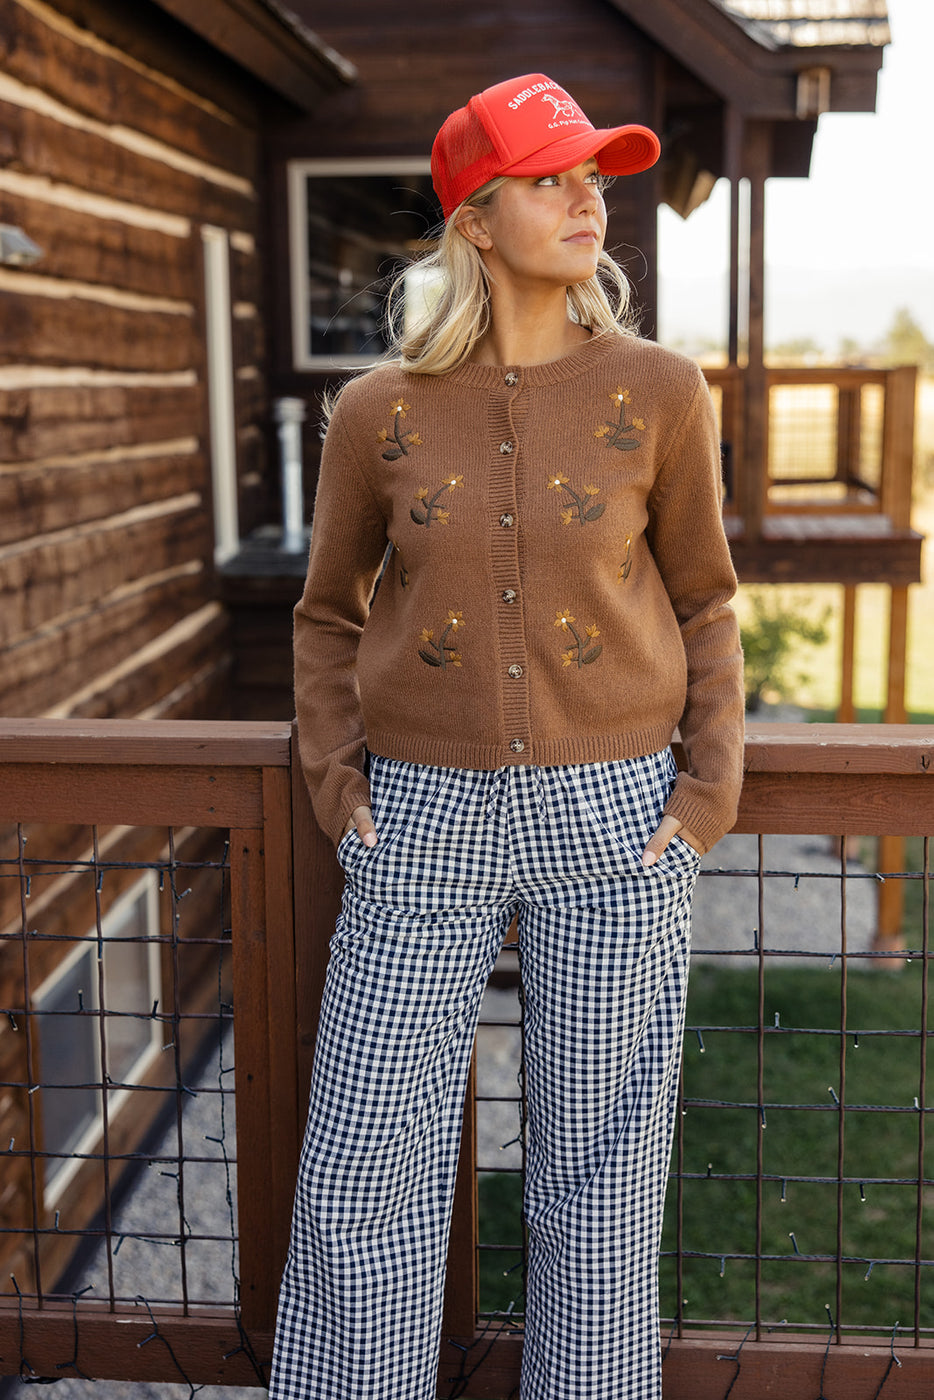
{"points": [[620, 150]]}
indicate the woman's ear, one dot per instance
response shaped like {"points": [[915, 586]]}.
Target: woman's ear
{"points": [[472, 226]]}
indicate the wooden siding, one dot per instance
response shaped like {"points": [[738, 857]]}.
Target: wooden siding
{"points": [[106, 574]]}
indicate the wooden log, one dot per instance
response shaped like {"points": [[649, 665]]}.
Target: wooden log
{"points": [[89, 248], [40, 499], [70, 570], [42, 669], [52, 420], [46, 330], [206, 692], [74, 67], [34, 142], [140, 680]]}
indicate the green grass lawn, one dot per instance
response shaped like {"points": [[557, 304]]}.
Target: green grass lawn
{"points": [[801, 1139]]}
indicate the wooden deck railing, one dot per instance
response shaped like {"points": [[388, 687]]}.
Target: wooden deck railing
{"points": [[838, 441], [105, 779]]}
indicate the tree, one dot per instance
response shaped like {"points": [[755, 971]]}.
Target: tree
{"points": [[905, 342]]}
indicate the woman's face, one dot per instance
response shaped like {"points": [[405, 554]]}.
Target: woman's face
{"points": [[543, 230]]}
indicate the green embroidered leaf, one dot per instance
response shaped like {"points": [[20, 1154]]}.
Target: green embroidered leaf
{"points": [[418, 517], [622, 444], [393, 454], [427, 656], [595, 512], [591, 655]]}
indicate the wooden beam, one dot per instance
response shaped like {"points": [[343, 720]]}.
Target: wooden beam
{"points": [[270, 42], [116, 742], [207, 1350], [754, 466]]}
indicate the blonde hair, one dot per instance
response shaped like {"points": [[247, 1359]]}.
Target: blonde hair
{"points": [[459, 317]]}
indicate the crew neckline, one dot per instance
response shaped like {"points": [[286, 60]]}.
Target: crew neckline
{"points": [[577, 361]]}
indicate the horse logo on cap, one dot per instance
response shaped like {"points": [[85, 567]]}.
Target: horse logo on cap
{"points": [[563, 108]]}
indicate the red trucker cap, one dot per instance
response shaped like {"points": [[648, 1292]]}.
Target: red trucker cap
{"points": [[528, 126]]}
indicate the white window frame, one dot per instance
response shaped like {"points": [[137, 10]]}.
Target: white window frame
{"points": [[218, 317], [146, 889], [298, 171]]}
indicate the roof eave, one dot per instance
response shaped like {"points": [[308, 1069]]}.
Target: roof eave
{"points": [[270, 42], [741, 62]]}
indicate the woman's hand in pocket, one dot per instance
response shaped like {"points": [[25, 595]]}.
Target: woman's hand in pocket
{"points": [[667, 827], [361, 818]]}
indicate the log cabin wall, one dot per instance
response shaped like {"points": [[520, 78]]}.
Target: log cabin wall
{"points": [[114, 166]]}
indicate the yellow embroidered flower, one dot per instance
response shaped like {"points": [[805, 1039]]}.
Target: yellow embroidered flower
{"points": [[591, 490], [621, 395], [563, 618], [567, 515], [557, 482], [400, 407], [639, 423], [569, 657], [414, 439], [602, 431], [427, 634], [443, 517], [454, 482], [593, 630], [454, 658], [455, 619], [422, 493], [382, 435]]}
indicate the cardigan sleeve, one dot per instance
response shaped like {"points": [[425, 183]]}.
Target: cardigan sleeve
{"points": [[348, 544], [690, 549]]}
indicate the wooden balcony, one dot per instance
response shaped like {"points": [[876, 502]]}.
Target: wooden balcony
{"points": [[830, 500], [86, 806]]}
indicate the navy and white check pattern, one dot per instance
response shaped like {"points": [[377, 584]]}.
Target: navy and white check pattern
{"points": [[604, 950]]}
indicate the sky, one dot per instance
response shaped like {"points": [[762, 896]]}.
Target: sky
{"points": [[848, 245]]}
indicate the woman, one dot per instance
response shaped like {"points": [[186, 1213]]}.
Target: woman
{"points": [[488, 736]]}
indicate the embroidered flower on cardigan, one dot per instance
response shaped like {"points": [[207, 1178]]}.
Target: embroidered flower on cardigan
{"points": [[441, 653], [403, 441], [581, 510], [584, 651], [616, 433], [625, 567], [429, 510]]}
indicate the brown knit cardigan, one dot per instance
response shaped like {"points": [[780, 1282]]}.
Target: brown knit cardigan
{"points": [[556, 580]]}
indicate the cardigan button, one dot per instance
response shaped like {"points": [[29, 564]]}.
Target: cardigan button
{"points": [[514, 672], [509, 595], [507, 520], [517, 746], [506, 448], [512, 379]]}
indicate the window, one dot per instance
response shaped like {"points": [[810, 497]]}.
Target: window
{"points": [[69, 1029], [351, 225]]}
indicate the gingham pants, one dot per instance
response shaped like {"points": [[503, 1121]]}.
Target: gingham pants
{"points": [[604, 956]]}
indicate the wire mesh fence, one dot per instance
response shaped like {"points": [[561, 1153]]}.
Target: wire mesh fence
{"points": [[135, 959], [116, 1073], [801, 1165]]}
